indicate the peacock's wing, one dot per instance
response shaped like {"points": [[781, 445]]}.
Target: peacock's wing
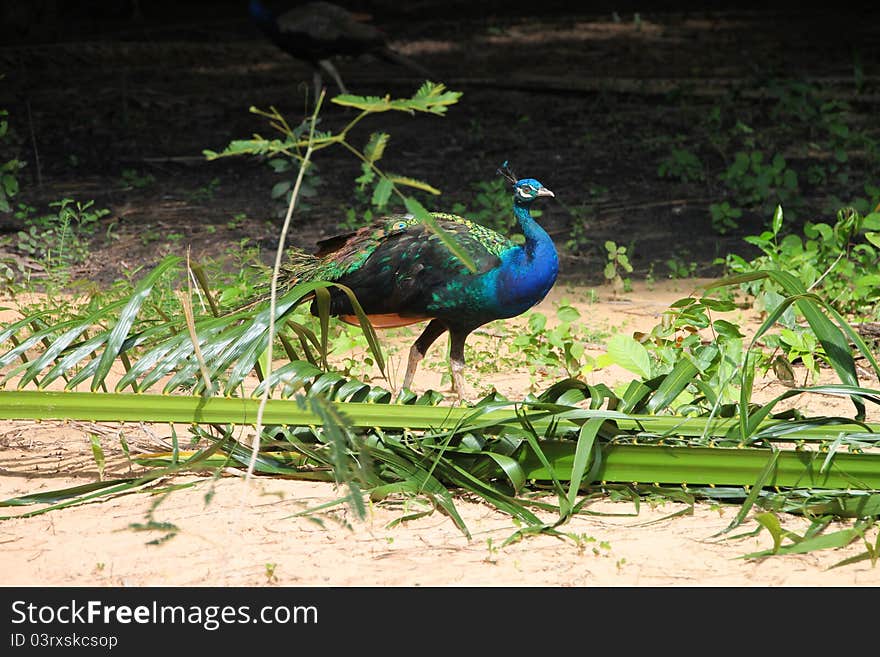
{"points": [[396, 265]]}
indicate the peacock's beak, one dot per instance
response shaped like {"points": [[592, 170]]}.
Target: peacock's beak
{"points": [[545, 192]]}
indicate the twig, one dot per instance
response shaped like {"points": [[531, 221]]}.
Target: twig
{"points": [[273, 289], [186, 303], [39, 169], [826, 272]]}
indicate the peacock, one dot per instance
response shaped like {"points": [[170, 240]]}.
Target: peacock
{"points": [[315, 32], [401, 273]]}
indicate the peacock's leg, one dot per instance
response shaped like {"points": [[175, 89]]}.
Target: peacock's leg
{"points": [[432, 331], [327, 65], [456, 359], [319, 84]]}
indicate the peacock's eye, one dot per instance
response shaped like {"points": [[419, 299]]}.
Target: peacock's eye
{"points": [[526, 188]]}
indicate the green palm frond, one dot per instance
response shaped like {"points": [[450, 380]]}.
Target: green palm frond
{"points": [[569, 442]]}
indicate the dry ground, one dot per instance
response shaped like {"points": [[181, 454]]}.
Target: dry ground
{"points": [[229, 536]]}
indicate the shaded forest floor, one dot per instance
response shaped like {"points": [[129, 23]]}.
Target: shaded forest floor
{"points": [[591, 105]]}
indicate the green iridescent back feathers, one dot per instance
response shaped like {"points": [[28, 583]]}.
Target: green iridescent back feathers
{"points": [[395, 260]]}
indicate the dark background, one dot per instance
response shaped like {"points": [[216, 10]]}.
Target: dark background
{"points": [[586, 97]]}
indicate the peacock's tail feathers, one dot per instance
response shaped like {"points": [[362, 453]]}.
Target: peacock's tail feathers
{"points": [[300, 267]]}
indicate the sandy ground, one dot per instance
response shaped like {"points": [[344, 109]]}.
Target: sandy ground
{"points": [[231, 533]]}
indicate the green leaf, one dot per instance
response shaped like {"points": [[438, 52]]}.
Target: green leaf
{"points": [[412, 182], [836, 539], [770, 522], [629, 354], [568, 314], [381, 193], [583, 452], [375, 148], [281, 188], [777, 220], [119, 333], [98, 454], [672, 386], [727, 329]]}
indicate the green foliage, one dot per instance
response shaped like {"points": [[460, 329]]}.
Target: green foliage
{"points": [[697, 373], [771, 153], [8, 169], [206, 192], [839, 261], [557, 350], [373, 189], [131, 178], [827, 122], [682, 165], [724, 217], [796, 343], [430, 98], [347, 431], [678, 268], [617, 261], [759, 184], [579, 237], [283, 189], [60, 238], [350, 432]]}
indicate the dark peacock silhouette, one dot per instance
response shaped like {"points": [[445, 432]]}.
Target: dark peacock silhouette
{"points": [[315, 32], [401, 273]]}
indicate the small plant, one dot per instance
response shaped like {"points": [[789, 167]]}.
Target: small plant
{"points": [[98, 455], [247, 273], [58, 239], [682, 165], [617, 262], [757, 183], [149, 234], [492, 549], [271, 577], [841, 260], [724, 217], [8, 169], [282, 190], [560, 348], [206, 192], [579, 236], [349, 353], [236, 221], [705, 367], [581, 541], [131, 178], [797, 344], [678, 268]]}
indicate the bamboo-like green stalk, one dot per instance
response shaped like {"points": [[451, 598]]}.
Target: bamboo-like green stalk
{"points": [[694, 466], [620, 463], [713, 466], [188, 409]]}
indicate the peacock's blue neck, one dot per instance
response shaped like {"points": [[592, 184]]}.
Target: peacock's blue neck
{"points": [[527, 272]]}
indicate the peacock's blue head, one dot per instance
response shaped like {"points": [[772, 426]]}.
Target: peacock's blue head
{"points": [[528, 189]]}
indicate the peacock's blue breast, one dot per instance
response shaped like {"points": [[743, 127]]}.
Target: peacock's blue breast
{"points": [[519, 286]]}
